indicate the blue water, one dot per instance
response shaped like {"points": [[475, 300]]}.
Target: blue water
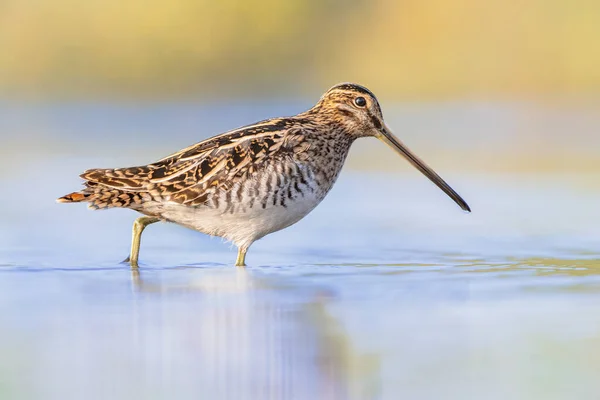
{"points": [[386, 291]]}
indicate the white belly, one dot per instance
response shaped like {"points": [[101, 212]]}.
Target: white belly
{"points": [[242, 227]]}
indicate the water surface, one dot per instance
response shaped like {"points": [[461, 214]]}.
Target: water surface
{"points": [[387, 290]]}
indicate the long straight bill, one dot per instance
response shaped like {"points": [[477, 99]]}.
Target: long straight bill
{"points": [[387, 137]]}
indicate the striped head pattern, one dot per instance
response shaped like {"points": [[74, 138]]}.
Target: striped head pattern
{"points": [[352, 106]]}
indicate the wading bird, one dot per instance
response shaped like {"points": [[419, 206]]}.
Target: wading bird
{"points": [[252, 181]]}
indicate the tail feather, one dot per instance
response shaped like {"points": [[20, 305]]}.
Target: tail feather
{"points": [[75, 197], [99, 197], [103, 189]]}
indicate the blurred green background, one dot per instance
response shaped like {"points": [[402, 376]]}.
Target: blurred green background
{"points": [[474, 85], [405, 49]]}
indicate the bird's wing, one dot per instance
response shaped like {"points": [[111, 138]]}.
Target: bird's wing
{"points": [[193, 174]]}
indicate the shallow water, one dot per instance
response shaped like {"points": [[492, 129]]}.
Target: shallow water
{"points": [[387, 290]]}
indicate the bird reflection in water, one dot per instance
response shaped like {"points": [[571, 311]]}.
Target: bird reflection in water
{"points": [[241, 334]]}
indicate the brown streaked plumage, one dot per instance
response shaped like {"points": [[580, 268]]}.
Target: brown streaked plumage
{"points": [[252, 181]]}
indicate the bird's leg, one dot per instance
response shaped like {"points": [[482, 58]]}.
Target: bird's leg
{"points": [[138, 227], [241, 257]]}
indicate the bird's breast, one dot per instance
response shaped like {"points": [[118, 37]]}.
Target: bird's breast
{"points": [[295, 187]]}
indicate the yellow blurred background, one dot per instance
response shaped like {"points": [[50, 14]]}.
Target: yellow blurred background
{"points": [[407, 49], [473, 85]]}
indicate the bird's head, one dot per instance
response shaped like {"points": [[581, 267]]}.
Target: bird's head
{"points": [[353, 107], [357, 110]]}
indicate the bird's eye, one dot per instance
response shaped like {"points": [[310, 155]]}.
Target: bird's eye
{"points": [[360, 101]]}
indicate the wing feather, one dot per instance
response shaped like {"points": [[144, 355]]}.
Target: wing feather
{"points": [[194, 174]]}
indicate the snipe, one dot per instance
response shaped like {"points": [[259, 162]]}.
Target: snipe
{"points": [[252, 181]]}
